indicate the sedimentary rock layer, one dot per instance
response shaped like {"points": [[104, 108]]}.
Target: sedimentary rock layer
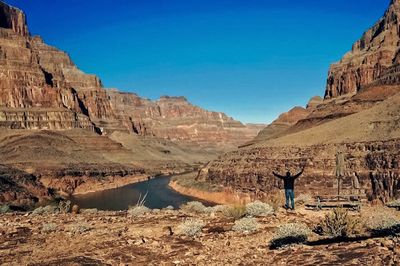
{"points": [[373, 59]]}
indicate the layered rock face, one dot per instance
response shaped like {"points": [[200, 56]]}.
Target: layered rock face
{"points": [[373, 59], [359, 117], [41, 88], [174, 118], [12, 18]]}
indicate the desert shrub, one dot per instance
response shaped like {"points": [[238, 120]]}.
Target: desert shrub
{"points": [[79, 229], [194, 206], [303, 199], [275, 200], [246, 225], [64, 206], [4, 208], [214, 209], [46, 210], [289, 234], [339, 223], [191, 227], [48, 228], [259, 208], [394, 203], [235, 211], [169, 208], [89, 211], [383, 224], [138, 210]]}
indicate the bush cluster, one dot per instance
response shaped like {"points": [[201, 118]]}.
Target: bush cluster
{"points": [[194, 206], [258, 208], [191, 227], [383, 224], [236, 211], [48, 228], [246, 225], [291, 233], [139, 210], [339, 223]]}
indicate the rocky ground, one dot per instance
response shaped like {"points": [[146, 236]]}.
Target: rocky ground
{"points": [[116, 238]]}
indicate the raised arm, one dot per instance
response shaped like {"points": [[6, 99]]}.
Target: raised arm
{"points": [[299, 174], [278, 176]]}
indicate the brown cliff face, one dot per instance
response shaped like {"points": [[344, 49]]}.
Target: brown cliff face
{"points": [[373, 59], [13, 18], [176, 119], [41, 88], [358, 117]]}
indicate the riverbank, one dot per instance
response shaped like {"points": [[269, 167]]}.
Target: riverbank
{"points": [[111, 183], [187, 185]]}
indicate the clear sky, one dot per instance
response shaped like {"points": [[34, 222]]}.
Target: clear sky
{"points": [[251, 59]]}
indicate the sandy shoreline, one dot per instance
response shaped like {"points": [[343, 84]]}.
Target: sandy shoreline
{"points": [[220, 197], [112, 183]]}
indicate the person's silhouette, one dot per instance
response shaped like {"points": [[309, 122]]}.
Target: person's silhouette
{"points": [[288, 180]]}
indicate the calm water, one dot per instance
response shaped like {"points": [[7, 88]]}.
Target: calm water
{"points": [[159, 196]]}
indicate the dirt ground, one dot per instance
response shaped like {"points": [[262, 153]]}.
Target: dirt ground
{"points": [[115, 238]]}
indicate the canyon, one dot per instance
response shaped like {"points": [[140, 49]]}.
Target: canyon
{"points": [[61, 130], [358, 117]]}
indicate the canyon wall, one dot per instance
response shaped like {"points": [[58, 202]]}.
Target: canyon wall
{"points": [[41, 88], [373, 59], [359, 117]]}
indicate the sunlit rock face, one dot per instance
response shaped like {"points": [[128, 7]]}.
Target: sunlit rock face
{"points": [[373, 59], [41, 88]]}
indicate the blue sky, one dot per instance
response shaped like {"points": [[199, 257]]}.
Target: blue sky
{"points": [[252, 59]]}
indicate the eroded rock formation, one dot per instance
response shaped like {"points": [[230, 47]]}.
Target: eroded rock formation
{"points": [[373, 59]]}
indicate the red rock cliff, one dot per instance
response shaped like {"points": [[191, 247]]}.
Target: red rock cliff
{"points": [[373, 59]]}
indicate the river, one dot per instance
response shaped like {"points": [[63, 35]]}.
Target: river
{"points": [[159, 196]]}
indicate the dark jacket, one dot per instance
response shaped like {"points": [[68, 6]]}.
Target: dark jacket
{"points": [[288, 179]]}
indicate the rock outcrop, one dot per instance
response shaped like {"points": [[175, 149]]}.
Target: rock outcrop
{"points": [[373, 59]]}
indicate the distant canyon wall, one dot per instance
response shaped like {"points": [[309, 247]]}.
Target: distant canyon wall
{"points": [[41, 88]]}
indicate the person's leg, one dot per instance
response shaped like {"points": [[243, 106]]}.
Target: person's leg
{"points": [[292, 198], [287, 196]]}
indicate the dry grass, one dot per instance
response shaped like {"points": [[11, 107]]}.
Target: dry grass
{"points": [[236, 211], [339, 223], [275, 199]]}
